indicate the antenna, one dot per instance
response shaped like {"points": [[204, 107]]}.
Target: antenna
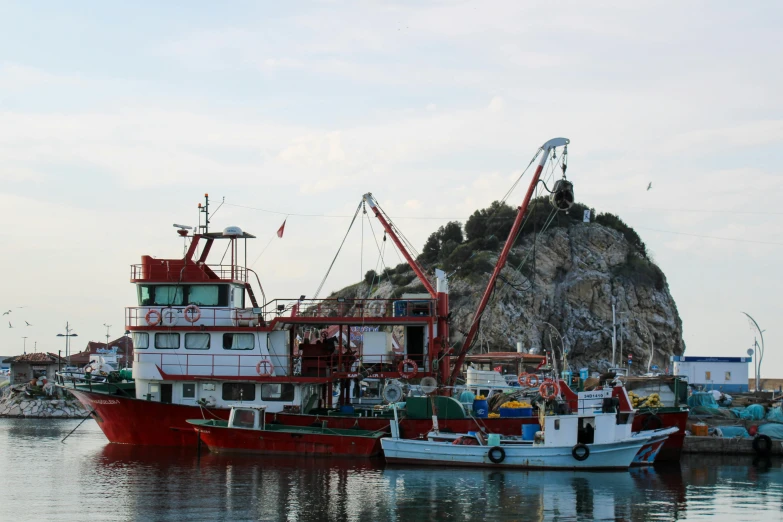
{"points": [[107, 331], [205, 210]]}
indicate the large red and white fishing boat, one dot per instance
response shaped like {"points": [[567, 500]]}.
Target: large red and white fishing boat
{"points": [[205, 338]]}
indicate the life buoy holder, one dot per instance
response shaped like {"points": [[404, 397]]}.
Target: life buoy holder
{"points": [[522, 379], [496, 454], [265, 368], [762, 444], [544, 388], [532, 380], [153, 317], [192, 313], [580, 452], [408, 374]]}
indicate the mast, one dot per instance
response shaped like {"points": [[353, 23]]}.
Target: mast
{"points": [[546, 148]]}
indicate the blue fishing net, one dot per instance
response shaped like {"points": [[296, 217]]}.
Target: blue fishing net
{"points": [[703, 399], [772, 430], [729, 432], [775, 415]]}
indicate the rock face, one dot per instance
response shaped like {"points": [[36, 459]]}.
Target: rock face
{"points": [[569, 278]]}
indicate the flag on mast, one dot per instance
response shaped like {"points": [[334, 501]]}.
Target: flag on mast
{"points": [[281, 229]]}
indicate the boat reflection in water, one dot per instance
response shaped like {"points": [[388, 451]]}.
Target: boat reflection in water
{"points": [[161, 484]]}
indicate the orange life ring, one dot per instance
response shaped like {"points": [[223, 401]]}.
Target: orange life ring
{"points": [[532, 377], [405, 374], [522, 379], [192, 313], [153, 317], [268, 367], [542, 390]]}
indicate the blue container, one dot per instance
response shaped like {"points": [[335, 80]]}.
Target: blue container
{"points": [[529, 431], [347, 410], [480, 409], [583, 374]]}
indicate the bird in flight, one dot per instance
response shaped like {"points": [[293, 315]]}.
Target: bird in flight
{"points": [[28, 324], [6, 313], [649, 186]]}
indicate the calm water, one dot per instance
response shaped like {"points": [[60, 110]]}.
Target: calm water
{"points": [[86, 478]]}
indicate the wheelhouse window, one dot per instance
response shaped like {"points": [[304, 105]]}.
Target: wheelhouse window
{"points": [[238, 341], [141, 340], [167, 295], [237, 297], [204, 295], [239, 391], [197, 341], [166, 341], [277, 392], [188, 390]]}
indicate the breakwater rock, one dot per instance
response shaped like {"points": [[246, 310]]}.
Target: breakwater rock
{"points": [[19, 405]]}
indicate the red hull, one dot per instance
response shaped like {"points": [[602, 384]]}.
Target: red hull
{"points": [[672, 448], [135, 421], [226, 440]]}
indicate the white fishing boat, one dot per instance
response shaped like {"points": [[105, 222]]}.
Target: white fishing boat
{"points": [[593, 441]]}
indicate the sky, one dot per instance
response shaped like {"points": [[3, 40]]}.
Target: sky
{"points": [[115, 119]]}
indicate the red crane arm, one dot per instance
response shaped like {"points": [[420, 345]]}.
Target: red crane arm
{"points": [[470, 337], [412, 262]]}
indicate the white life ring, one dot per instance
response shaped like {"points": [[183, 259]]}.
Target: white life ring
{"points": [[168, 317], [192, 313], [153, 317], [265, 367]]}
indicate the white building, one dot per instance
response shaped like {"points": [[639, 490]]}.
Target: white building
{"points": [[728, 374]]}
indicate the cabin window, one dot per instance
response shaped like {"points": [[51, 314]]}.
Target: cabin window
{"points": [[244, 418], [166, 341], [707, 376], [728, 376], [277, 392], [237, 297], [239, 391], [238, 341], [145, 295], [197, 341], [169, 295], [204, 295], [188, 390], [141, 340]]}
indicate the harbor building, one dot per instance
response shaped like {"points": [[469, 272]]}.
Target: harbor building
{"points": [[727, 374]]}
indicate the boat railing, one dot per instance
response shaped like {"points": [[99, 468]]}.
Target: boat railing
{"points": [[75, 382], [190, 315], [337, 365], [349, 307], [141, 272]]}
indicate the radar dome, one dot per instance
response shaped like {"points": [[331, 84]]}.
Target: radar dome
{"points": [[232, 231]]}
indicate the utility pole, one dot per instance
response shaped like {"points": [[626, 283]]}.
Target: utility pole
{"points": [[759, 349], [67, 336], [107, 334], [24, 346]]}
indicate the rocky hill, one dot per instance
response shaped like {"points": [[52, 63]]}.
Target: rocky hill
{"points": [[558, 283]]}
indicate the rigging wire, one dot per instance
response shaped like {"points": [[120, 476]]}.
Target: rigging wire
{"points": [[323, 281]]}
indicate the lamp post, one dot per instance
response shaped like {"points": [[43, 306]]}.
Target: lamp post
{"points": [[24, 346], [107, 334], [67, 336], [759, 349]]}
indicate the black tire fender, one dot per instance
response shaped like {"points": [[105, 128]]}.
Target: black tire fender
{"points": [[652, 422], [762, 444], [496, 454], [580, 452]]}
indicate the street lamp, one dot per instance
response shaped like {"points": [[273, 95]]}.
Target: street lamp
{"points": [[67, 336], [107, 335], [759, 351]]}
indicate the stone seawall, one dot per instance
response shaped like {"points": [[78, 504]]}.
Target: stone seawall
{"points": [[22, 406]]}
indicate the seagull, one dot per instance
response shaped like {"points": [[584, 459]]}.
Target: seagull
{"points": [[649, 186], [6, 313], [10, 325], [28, 324]]}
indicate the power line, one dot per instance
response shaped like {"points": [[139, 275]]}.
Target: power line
{"points": [[711, 237]]}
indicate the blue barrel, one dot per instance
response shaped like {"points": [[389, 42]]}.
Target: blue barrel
{"points": [[529, 431], [583, 374], [480, 408]]}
